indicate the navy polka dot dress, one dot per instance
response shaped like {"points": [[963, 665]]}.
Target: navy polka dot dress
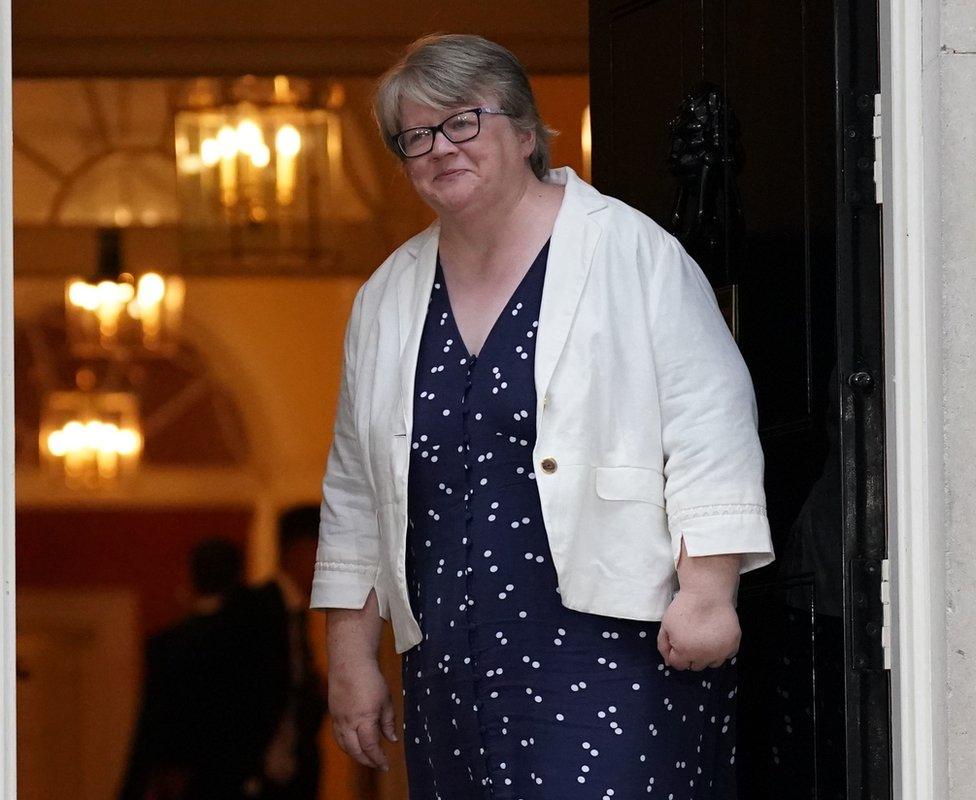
{"points": [[510, 695]]}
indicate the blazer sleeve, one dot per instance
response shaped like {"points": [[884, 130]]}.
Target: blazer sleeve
{"points": [[347, 560], [713, 460]]}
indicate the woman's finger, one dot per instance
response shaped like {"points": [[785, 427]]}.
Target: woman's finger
{"points": [[664, 644], [348, 740], [677, 661], [389, 721], [369, 741]]}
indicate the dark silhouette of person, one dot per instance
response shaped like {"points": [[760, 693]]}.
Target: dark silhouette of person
{"points": [[292, 758], [208, 711]]}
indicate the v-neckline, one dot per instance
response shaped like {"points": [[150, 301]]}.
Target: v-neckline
{"points": [[450, 308]]}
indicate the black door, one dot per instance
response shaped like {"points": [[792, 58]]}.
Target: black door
{"points": [[745, 128]]}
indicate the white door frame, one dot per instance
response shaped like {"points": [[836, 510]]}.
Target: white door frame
{"points": [[912, 259], [8, 663], [910, 90]]}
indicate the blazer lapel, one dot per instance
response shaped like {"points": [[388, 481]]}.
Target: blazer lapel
{"points": [[574, 239], [413, 296]]}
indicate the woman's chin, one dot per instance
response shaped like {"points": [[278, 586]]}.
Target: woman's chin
{"points": [[455, 201]]}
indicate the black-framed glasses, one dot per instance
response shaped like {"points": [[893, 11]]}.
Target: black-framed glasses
{"points": [[457, 128]]}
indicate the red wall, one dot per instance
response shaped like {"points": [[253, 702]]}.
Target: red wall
{"points": [[144, 549]]}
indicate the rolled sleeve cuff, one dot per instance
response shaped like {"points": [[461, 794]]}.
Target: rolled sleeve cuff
{"points": [[342, 584], [724, 530]]}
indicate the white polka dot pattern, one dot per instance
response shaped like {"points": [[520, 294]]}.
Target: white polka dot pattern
{"points": [[510, 695]]}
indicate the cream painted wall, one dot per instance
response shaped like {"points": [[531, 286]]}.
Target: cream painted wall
{"points": [[276, 343]]}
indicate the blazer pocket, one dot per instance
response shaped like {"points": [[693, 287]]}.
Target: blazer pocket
{"points": [[630, 483]]}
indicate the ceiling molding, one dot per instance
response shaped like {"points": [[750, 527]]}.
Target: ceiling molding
{"points": [[181, 56]]}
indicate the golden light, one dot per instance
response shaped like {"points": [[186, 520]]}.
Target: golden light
{"points": [[254, 156], [288, 141], [586, 141], [90, 438], [261, 156], [106, 316], [249, 137], [152, 289], [209, 152], [227, 142]]}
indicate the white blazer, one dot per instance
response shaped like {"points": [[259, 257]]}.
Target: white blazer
{"points": [[646, 422]]}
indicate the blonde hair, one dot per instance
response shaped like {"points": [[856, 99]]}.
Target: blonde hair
{"points": [[448, 70]]}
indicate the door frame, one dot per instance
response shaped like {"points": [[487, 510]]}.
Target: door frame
{"points": [[910, 141], [8, 664], [913, 312]]}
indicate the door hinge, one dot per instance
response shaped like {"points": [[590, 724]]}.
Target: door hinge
{"points": [[886, 611], [878, 160], [867, 614]]}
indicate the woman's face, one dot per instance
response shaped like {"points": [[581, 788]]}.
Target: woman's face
{"points": [[459, 179]]}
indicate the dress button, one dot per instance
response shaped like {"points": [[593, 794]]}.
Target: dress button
{"points": [[549, 465]]}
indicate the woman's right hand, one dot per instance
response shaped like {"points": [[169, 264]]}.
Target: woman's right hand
{"points": [[361, 709]]}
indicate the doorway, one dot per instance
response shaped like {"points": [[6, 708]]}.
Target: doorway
{"points": [[746, 130]]}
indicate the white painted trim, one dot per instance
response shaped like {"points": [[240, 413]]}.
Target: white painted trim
{"points": [[913, 341], [8, 661]]}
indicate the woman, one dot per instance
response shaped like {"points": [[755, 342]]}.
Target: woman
{"points": [[544, 424]]}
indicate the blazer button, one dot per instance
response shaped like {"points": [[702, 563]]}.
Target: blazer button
{"points": [[549, 465]]}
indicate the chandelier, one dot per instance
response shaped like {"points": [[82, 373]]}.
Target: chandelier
{"points": [[90, 438], [115, 311], [252, 155]]}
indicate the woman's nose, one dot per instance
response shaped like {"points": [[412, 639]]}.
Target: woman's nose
{"points": [[442, 145]]}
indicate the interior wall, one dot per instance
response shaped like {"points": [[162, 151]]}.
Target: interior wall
{"points": [[78, 667], [275, 343], [92, 585], [144, 551]]}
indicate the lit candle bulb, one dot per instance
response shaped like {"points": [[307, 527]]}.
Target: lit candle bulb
{"points": [[288, 143], [227, 144]]}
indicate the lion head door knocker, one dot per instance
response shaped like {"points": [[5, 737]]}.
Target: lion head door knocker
{"points": [[706, 218]]}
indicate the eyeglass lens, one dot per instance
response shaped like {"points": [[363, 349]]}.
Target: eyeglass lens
{"points": [[457, 129]]}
